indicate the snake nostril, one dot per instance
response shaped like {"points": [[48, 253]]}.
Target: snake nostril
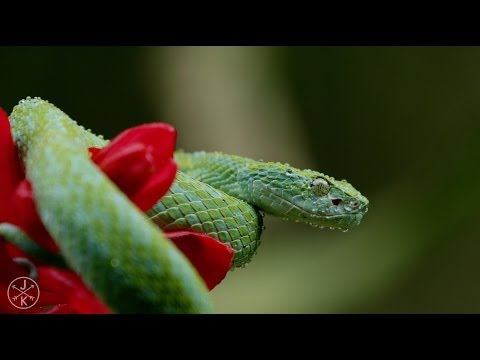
{"points": [[336, 201]]}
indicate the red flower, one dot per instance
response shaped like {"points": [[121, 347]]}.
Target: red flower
{"points": [[142, 166], [10, 165], [140, 162]]}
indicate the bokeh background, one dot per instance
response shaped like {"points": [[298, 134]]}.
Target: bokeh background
{"points": [[400, 123]]}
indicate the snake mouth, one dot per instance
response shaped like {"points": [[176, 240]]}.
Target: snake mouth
{"points": [[315, 215]]}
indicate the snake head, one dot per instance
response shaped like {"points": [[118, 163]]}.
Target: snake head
{"points": [[307, 196]]}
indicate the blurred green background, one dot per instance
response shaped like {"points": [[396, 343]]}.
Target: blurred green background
{"points": [[400, 123]]}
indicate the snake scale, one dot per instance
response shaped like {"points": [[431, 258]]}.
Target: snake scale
{"points": [[123, 254]]}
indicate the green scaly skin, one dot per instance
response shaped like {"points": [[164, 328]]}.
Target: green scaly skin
{"points": [[120, 254], [193, 205], [279, 189]]}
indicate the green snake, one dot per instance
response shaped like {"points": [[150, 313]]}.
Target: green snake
{"points": [[123, 254]]}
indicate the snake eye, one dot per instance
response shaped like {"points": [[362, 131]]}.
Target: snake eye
{"points": [[320, 186]]}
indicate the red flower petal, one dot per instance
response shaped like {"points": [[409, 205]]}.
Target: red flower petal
{"points": [[9, 269], [27, 218], [55, 280], [84, 301], [94, 151], [156, 187], [10, 166], [77, 295], [140, 161], [211, 258], [160, 136], [24, 203], [128, 168], [60, 309], [5, 306], [48, 298]]}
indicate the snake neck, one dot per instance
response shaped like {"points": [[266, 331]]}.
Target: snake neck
{"points": [[223, 172]]}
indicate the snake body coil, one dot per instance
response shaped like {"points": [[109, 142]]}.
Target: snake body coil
{"points": [[120, 254], [191, 204]]}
